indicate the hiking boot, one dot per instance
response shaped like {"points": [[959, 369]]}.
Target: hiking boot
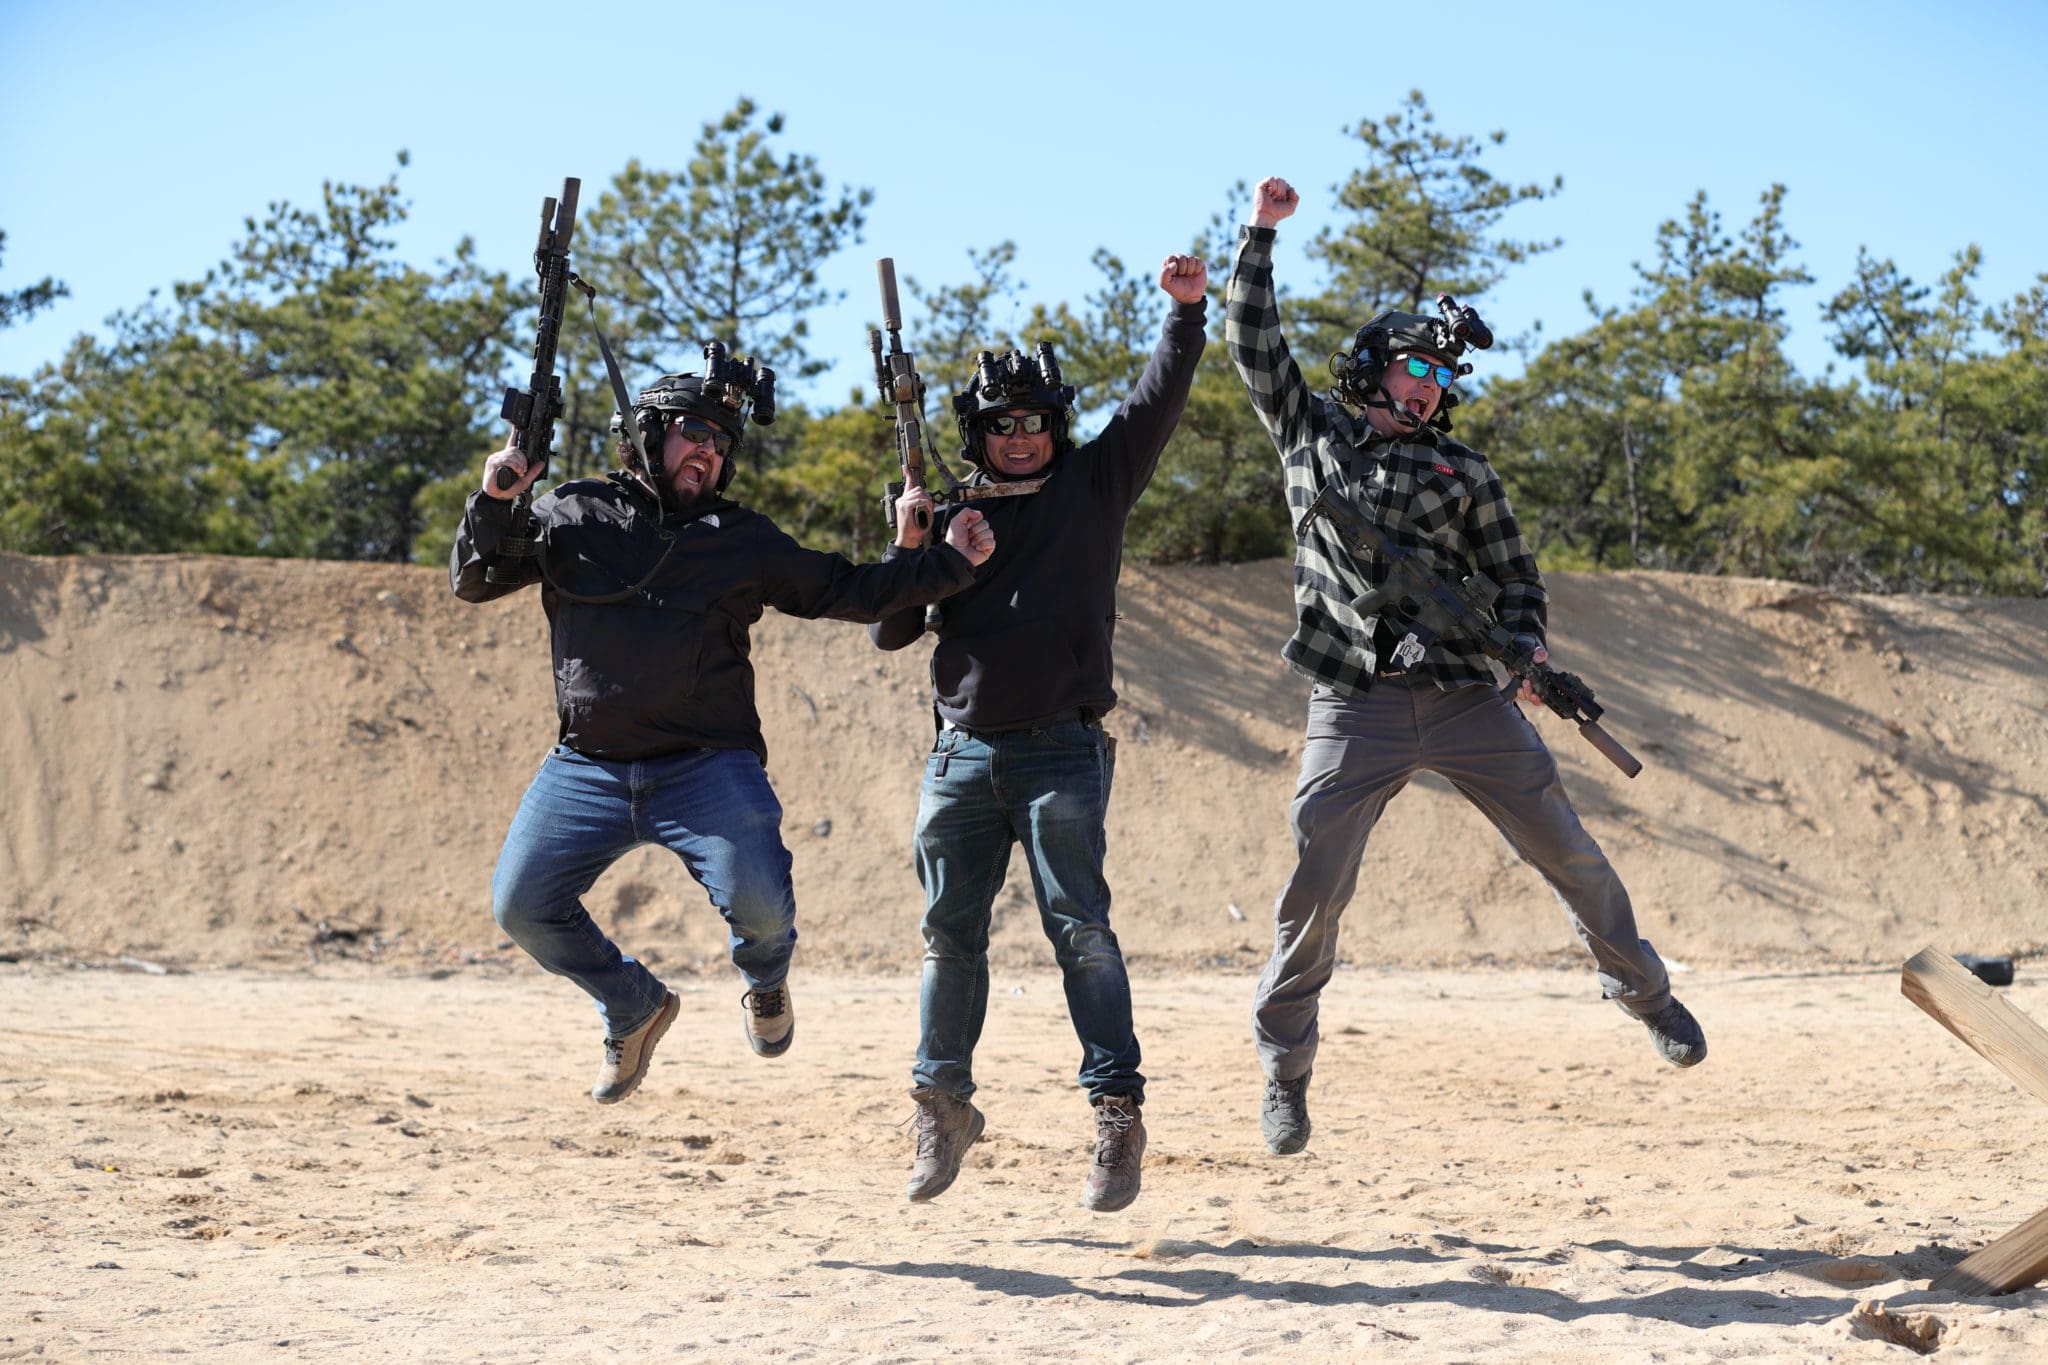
{"points": [[625, 1059], [945, 1129], [1118, 1168], [770, 1020], [1676, 1033], [1283, 1115]]}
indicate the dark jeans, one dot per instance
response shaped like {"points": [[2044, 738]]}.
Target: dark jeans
{"points": [[1047, 789], [713, 808]]}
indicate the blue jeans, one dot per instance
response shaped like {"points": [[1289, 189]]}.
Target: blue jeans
{"points": [[713, 808], [1047, 789]]}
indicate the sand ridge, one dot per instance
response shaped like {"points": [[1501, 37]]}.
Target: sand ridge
{"points": [[226, 753]]}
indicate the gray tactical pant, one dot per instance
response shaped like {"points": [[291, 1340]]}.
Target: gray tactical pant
{"points": [[1362, 750]]}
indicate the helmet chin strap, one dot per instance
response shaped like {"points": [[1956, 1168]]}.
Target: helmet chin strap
{"points": [[1404, 419]]}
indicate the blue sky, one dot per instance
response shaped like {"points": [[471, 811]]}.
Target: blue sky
{"points": [[138, 136]]}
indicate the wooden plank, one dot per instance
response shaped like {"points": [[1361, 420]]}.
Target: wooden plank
{"points": [[2014, 1261], [1986, 1021]]}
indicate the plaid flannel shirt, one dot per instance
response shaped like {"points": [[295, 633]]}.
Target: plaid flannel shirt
{"points": [[1427, 492]]}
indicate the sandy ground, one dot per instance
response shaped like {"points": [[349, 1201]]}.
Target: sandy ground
{"points": [[349, 1124], [348, 1163]]}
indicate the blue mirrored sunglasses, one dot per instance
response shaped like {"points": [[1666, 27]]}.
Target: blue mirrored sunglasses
{"points": [[1423, 369], [1008, 423]]}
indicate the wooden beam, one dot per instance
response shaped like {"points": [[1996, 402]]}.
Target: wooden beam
{"points": [[1998, 1032], [1976, 1013], [2014, 1261]]}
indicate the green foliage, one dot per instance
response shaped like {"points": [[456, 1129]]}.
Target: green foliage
{"points": [[313, 395], [726, 248], [960, 320], [1674, 433], [1947, 441], [823, 482], [1422, 217], [297, 400], [99, 454], [22, 304]]}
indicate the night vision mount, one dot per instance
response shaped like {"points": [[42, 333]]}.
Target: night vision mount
{"points": [[1013, 380], [740, 386]]}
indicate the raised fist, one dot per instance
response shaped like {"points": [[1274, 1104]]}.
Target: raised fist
{"points": [[1273, 200], [1186, 278]]}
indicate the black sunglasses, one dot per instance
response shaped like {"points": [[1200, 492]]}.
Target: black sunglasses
{"points": [[703, 433], [1009, 423]]}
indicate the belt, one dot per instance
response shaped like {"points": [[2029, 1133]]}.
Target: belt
{"points": [[1087, 715]]}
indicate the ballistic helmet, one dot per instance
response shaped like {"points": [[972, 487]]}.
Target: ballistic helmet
{"points": [[726, 394], [1356, 374], [1012, 380]]}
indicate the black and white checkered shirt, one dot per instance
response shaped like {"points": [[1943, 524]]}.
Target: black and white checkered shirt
{"points": [[1427, 492]]}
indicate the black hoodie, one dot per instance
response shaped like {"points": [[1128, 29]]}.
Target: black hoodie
{"points": [[666, 669], [1031, 639]]}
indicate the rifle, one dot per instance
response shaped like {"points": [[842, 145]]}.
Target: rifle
{"points": [[1435, 606], [897, 377], [533, 410]]}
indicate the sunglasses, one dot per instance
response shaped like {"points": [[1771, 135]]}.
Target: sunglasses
{"points": [[1422, 369], [1008, 423], [702, 433]]}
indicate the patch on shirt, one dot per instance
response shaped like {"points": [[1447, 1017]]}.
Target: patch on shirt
{"points": [[1446, 469]]}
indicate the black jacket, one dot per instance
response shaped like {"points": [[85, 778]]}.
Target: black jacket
{"points": [[667, 669], [1031, 638]]}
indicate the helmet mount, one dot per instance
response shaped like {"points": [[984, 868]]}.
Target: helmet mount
{"points": [[1012, 381]]}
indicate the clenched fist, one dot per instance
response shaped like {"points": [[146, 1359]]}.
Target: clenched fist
{"points": [[1273, 200], [1185, 278], [971, 535]]}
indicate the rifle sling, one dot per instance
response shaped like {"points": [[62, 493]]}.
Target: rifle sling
{"points": [[975, 492], [611, 368]]}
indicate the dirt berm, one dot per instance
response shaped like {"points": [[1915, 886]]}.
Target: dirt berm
{"points": [[212, 760]]}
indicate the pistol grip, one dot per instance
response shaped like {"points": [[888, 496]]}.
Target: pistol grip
{"points": [[1374, 602]]}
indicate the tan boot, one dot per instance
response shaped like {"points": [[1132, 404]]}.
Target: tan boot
{"points": [[625, 1059], [945, 1129], [1118, 1168], [770, 1020]]}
